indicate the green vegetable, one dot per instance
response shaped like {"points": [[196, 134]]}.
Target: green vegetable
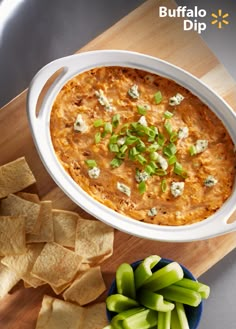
{"points": [[158, 97], [114, 148], [119, 303], [172, 159], [142, 187], [169, 150], [178, 170], [115, 120], [164, 320], [142, 109], [142, 320], [123, 148], [97, 137], [91, 163], [117, 320], [173, 136], [164, 277], [151, 168], [161, 172], [98, 123], [113, 139], [141, 159], [160, 139], [144, 270], [133, 153], [108, 128], [183, 321], [201, 288], [168, 114], [182, 295], [125, 281], [168, 127], [192, 150], [154, 301], [174, 320], [163, 185], [116, 163], [131, 140]]}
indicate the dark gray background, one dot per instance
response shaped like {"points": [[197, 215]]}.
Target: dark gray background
{"points": [[34, 32]]}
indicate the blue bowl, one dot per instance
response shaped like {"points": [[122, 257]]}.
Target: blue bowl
{"points": [[193, 313]]}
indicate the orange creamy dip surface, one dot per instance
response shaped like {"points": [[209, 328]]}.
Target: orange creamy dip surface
{"points": [[100, 94]]}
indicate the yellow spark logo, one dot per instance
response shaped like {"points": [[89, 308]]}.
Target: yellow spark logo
{"points": [[219, 19]]}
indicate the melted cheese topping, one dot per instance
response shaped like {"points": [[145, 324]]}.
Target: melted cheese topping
{"points": [[196, 201]]}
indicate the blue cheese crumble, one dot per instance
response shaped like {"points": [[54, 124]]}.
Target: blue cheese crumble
{"points": [[103, 100], [177, 188], [123, 188], [162, 161], [133, 92], [94, 172], [201, 145], [176, 100], [210, 181], [152, 212], [183, 132], [80, 124], [141, 176], [143, 121]]}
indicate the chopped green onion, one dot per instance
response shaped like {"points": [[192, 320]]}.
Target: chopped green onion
{"points": [[158, 97], [116, 120], [120, 155], [154, 156], [168, 127], [164, 185], [123, 148], [142, 187], [168, 114], [114, 148], [161, 172], [131, 140], [141, 159], [123, 129], [98, 123], [152, 148], [172, 159], [108, 127], [133, 153], [151, 168], [91, 163], [115, 163], [192, 150], [141, 147], [178, 170], [160, 139], [113, 139], [173, 136], [142, 109], [97, 137], [169, 150]]}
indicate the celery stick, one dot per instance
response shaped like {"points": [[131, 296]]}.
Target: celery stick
{"points": [[117, 320], [182, 295], [125, 281], [164, 277], [154, 301], [142, 320], [182, 316], [163, 321], [119, 303], [201, 288], [174, 320], [144, 270]]}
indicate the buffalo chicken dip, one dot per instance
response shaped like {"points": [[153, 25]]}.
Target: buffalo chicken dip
{"points": [[143, 145]]}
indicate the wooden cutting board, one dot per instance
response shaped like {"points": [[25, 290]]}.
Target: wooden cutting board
{"points": [[142, 31]]}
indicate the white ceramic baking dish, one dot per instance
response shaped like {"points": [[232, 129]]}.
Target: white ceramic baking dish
{"points": [[40, 127]]}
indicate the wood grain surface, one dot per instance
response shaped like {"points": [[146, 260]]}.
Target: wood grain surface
{"points": [[142, 31]]}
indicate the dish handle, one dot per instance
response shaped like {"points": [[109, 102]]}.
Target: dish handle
{"points": [[40, 80]]}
